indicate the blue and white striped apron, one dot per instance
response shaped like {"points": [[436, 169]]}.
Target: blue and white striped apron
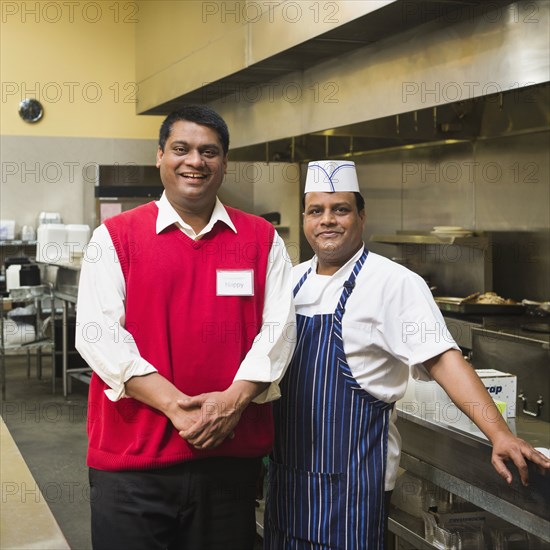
{"points": [[326, 473]]}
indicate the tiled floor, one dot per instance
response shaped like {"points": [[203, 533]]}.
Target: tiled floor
{"points": [[50, 432]]}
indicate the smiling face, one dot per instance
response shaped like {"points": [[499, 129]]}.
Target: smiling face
{"points": [[334, 228], [192, 166]]}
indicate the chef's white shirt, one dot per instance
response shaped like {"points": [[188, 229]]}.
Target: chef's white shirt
{"points": [[391, 325], [110, 350]]}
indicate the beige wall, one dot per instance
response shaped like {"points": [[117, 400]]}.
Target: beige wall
{"points": [[68, 59], [78, 59]]}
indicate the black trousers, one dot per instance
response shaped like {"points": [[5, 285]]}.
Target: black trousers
{"points": [[201, 504]]}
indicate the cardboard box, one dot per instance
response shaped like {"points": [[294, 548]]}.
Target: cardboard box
{"points": [[502, 386]]}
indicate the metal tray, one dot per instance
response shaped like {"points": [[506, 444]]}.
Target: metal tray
{"points": [[536, 327], [455, 305], [27, 292]]}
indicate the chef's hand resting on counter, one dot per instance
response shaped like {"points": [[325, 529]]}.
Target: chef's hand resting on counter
{"points": [[466, 390], [509, 447], [219, 413]]}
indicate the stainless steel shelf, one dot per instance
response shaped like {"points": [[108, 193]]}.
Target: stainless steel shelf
{"points": [[514, 334], [17, 242], [40, 341], [408, 528], [476, 240]]}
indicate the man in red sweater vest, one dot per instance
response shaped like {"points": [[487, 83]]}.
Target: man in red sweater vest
{"points": [[189, 303]]}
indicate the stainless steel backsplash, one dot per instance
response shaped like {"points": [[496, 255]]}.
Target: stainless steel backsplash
{"points": [[499, 186]]}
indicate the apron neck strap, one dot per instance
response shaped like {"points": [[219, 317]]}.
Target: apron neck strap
{"points": [[301, 282], [349, 285]]}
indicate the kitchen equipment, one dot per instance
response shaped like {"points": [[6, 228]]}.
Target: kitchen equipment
{"points": [[510, 538], [29, 275], [51, 239], [121, 187], [451, 231], [272, 217], [536, 327], [23, 314], [12, 267], [17, 334], [26, 292], [7, 230], [16, 260], [78, 236], [49, 217], [460, 305], [526, 358], [537, 309], [66, 279], [502, 386], [28, 233], [12, 276]]}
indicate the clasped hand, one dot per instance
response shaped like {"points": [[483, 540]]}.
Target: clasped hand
{"points": [[206, 420]]}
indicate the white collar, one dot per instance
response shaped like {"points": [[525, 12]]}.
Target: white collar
{"points": [[343, 271], [168, 216]]}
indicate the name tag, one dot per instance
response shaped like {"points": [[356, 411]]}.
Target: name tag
{"points": [[235, 282]]}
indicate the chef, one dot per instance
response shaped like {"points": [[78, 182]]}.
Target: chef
{"points": [[363, 323]]}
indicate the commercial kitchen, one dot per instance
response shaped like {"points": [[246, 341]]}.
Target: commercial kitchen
{"points": [[443, 106]]}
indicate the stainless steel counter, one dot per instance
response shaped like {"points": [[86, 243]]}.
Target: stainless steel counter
{"points": [[460, 462], [513, 329], [508, 326]]}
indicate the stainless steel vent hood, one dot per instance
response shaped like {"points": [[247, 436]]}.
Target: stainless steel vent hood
{"points": [[404, 75], [391, 19], [525, 110]]}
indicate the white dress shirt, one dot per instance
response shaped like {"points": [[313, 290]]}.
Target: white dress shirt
{"points": [[390, 327], [110, 350]]}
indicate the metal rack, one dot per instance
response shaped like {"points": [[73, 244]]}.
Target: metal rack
{"points": [[41, 339], [63, 278], [82, 373]]}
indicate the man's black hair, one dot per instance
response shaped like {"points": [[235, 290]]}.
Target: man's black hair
{"points": [[199, 114]]}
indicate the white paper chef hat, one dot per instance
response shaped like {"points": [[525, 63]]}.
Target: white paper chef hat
{"points": [[329, 176]]}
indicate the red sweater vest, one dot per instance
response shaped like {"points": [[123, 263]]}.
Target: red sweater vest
{"points": [[193, 337]]}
